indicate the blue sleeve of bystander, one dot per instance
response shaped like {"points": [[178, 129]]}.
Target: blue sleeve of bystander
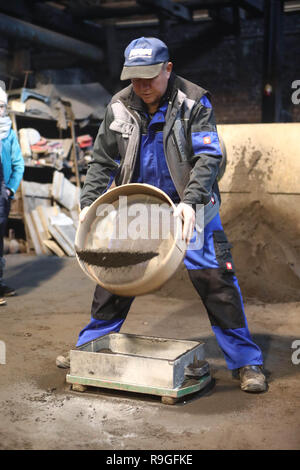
{"points": [[17, 164]]}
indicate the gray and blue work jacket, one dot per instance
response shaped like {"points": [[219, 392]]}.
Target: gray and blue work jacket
{"points": [[189, 138]]}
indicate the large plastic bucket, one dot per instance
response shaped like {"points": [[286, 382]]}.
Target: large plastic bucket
{"points": [[135, 223]]}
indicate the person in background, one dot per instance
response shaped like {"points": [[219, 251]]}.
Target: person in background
{"points": [[11, 173]]}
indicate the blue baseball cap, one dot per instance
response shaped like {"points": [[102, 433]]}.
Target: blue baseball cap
{"points": [[144, 58]]}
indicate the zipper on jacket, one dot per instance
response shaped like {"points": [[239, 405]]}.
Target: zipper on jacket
{"points": [[178, 189], [176, 146], [137, 119]]}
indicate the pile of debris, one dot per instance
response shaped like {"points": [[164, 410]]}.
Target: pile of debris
{"points": [[56, 153], [39, 151], [85, 149], [82, 103], [50, 211], [51, 215]]}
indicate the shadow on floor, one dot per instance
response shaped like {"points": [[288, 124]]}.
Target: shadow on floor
{"points": [[28, 275]]}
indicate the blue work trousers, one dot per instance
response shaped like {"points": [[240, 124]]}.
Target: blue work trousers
{"points": [[211, 270]]}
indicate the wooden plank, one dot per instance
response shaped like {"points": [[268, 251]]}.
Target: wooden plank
{"points": [[45, 213], [74, 214], [30, 192], [35, 194], [33, 235], [16, 209], [24, 143], [44, 221], [39, 229], [54, 247], [57, 185], [29, 243], [195, 386], [68, 232], [14, 122], [64, 192], [61, 241], [74, 153]]}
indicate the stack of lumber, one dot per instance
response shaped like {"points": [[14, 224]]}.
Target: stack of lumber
{"points": [[51, 215]]}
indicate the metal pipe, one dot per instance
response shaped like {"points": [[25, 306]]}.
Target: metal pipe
{"points": [[22, 30], [102, 12], [114, 10]]}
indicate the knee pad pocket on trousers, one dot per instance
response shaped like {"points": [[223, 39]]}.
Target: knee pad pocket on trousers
{"points": [[107, 306], [220, 297], [223, 251]]}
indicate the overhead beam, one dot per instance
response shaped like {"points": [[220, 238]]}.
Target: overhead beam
{"points": [[253, 6], [104, 12], [53, 60], [15, 7], [111, 11], [206, 38], [168, 8], [205, 4], [62, 21], [227, 19], [56, 19], [21, 30]]}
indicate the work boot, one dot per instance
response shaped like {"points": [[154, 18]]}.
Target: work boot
{"points": [[63, 361], [252, 379], [2, 301], [6, 291]]}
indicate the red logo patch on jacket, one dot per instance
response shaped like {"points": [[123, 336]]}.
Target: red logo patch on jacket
{"points": [[207, 140], [229, 265]]}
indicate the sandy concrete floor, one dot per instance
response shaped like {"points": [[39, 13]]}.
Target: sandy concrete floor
{"points": [[38, 410]]}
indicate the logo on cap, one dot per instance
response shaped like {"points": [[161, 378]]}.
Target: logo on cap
{"points": [[140, 52]]}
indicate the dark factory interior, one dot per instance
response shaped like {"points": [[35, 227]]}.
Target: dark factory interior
{"points": [[216, 145], [235, 49]]}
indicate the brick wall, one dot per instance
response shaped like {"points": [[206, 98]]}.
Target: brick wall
{"points": [[231, 67]]}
